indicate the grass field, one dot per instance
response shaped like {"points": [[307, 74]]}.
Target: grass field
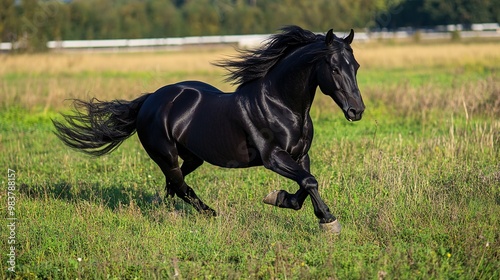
{"points": [[416, 183]]}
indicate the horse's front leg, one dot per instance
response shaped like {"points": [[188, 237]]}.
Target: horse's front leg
{"points": [[283, 199], [282, 163]]}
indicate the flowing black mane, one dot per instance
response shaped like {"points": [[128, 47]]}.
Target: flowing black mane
{"points": [[254, 64]]}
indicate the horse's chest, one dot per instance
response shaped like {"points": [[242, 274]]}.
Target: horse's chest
{"points": [[299, 145]]}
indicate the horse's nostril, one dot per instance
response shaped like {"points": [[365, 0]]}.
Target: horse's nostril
{"points": [[351, 113]]}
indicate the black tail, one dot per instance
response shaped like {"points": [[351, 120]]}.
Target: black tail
{"points": [[99, 127]]}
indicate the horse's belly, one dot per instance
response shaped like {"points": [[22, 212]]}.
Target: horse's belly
{"points": [[223, 146]]}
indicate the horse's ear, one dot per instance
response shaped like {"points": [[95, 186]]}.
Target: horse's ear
{"points": [[349, 38], [329, 37]]}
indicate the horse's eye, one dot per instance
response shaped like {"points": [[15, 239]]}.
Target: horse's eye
{"points": [[336, 71]]}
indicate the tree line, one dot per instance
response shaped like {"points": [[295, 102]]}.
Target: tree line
{"points": [[31, 23]]}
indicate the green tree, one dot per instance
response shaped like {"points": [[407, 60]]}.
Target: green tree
{"points": [[7, 21], [166, 19], [80, 20], [31, 28], [250, 19], [107, 18], [461, 11], [239, 17], [135, 22], [57, 15], [420, 13], [201, 18], [32, 22]]}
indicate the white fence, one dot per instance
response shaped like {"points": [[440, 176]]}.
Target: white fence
{"points": [[241, 40], [157, 42]]}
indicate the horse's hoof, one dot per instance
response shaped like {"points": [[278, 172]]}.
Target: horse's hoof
{"points": [[271, 198], [209, 212], [333, 227]]}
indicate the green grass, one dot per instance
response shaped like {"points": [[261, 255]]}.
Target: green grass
{"points": [[420, 77], [415, 184]]}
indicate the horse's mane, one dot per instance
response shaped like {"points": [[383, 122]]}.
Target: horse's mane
{"points": [[253, 64]]}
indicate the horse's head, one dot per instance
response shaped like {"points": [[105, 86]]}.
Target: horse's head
{"points": [[337, 75]]}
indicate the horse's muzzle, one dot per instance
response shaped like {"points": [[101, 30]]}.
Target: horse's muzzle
{"points": [[353, 114]]}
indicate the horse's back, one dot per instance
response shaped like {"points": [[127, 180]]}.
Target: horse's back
{"points": [[176, 100], [198, 116], [169, 94], [198, 85]]}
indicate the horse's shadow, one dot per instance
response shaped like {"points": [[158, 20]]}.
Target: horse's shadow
{"points": [[113, 197]]}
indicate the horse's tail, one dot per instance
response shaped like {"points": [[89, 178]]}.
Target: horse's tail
{"points": [[99, 127]]}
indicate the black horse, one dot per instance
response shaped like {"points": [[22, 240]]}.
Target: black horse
{"points": [[264, 122]]}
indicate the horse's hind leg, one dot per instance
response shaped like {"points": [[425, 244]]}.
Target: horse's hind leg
{"points": [[188, 195], [188, 166], [167, 160], [191, 162], [176, 184]]}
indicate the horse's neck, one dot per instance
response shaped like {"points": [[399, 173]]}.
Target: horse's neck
{"points": [[295, 85], [291, 83]]}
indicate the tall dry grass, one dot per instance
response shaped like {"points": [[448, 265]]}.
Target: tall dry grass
{"points": [[371, 56], [474, 98], [64, 63], [376, 56], [44, 80]]}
